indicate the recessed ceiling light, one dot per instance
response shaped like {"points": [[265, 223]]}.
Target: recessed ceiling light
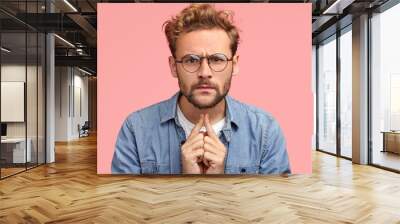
{"points": [[70, 5], [84, 71], [5, 50], [337, 7], [64, 40]]}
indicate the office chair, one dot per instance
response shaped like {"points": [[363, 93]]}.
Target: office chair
{"points": [[84, 130]]}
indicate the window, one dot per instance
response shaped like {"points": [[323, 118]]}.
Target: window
{"points": [[346, 92], [327, 95], [385, 88]]}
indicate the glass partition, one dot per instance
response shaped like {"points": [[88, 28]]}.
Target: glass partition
{"points": [[31, 100], [41, 85], [13, 108], [22, 77], [385, 89], [327, 95]]}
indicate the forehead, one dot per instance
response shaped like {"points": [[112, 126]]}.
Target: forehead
{"points": [[203, 42]]}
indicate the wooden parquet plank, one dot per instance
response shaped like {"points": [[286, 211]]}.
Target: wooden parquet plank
{"points": [[70, 191]]}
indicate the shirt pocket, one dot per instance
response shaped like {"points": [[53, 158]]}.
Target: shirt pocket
{"points": [[247, 169]]}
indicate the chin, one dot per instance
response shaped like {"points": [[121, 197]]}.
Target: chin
{"points": [[204, 100], [204, 104]]}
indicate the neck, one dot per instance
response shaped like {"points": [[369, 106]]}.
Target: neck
{"points": [[192, 113]]}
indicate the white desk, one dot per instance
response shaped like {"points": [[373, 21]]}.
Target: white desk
{"points": [[18, 149]]}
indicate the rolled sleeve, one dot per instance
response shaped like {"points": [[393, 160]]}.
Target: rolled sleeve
{"points": [[126, 159], [275, 158]]}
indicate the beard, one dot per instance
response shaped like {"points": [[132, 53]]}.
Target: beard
{"points": [[195, 101]]}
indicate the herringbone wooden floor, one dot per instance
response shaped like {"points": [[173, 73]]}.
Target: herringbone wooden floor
{"points": [[70, 191]]}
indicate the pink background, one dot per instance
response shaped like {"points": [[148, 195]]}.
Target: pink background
{"points": [[274, 61]]}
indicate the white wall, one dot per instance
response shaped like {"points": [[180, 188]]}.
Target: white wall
{"points": [[62, 78], [71, 93]]}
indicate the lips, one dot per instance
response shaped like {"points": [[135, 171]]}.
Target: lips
{"points": [[203, 86]]}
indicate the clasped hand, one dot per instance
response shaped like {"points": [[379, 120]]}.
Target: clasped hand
{"points": [[203, 152]]}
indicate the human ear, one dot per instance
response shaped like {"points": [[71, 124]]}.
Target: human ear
{"points": [[235, 65], [172, 66]]}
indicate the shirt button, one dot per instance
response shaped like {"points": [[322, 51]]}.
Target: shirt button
{"points": [[243, 170]]}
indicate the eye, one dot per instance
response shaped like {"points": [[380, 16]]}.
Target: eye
{"points": [[217, 58], [191, 59]]}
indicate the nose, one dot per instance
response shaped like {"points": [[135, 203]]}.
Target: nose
{"points": [[205, 70]]}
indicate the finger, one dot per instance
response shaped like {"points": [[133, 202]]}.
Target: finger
{"points": [[198, 126], [198, 154], [201, 149], [195, 138], [211, 149], [206, 161], [210, 130], [214, 144], [199, 143], [209, 158], [212, 141]]}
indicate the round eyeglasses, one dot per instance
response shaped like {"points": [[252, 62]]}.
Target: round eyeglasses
{"points": [[192, 63]]}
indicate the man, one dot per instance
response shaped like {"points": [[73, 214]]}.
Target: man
{"points": [[201, 130]]}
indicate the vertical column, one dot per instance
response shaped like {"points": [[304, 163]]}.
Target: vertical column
{"points": [[50, 92], [314, 91], [338, 98], [360, 90]]}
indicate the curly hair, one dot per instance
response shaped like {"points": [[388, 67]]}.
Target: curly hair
{"points": [[201, 17]]}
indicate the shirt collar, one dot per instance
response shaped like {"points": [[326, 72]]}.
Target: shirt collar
{"points": [[169, 112]]}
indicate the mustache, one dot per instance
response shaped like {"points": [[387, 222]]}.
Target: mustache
{"points": [[204, 83]]}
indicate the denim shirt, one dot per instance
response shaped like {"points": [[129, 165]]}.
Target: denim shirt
{"points": [[149, 141]]}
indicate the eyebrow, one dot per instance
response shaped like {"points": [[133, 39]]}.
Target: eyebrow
{"points": [[204, 55]]}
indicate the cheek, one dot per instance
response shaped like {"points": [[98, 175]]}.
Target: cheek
{"points": [[186, 82], [223, 80]]}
